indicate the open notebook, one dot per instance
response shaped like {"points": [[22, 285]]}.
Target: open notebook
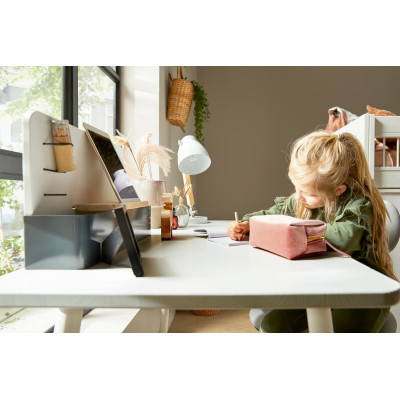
{"points": [[219, 235]]}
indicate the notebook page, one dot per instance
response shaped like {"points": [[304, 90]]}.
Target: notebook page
{"points": [[227, 241], [220, 235], [213, 232]]}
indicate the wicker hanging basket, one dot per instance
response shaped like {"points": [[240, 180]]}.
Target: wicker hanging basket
{"points": [[179, 102]]}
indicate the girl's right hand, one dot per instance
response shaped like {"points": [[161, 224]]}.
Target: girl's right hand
{"points": [[236, 230]]}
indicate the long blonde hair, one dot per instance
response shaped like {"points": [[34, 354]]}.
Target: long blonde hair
{"points": [[325, 161]]}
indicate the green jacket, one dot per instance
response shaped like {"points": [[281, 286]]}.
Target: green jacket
{"points": [[350, 232]]}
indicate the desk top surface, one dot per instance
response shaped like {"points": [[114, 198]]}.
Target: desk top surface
{"points": [[191, 272]]}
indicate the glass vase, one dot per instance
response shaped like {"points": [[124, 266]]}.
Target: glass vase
{"points": [[182, 212]]}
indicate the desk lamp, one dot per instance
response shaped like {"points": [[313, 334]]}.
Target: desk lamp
{"points": [[193, 159]]}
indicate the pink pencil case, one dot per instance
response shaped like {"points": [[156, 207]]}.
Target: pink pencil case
{"points": [[289, 237]]}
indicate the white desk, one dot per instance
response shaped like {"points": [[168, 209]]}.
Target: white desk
{"points": [[190, 272]]}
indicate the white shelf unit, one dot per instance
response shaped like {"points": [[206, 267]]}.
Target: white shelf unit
{"points": [[384, 165]]}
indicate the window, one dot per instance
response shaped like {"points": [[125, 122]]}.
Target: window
{"points": [[16, 132], [55, 91], [96, 91], [21, 89], [86, 114], [110, 119], [11, 225]]}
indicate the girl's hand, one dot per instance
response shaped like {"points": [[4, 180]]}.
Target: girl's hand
{"points": [[236, 230]]}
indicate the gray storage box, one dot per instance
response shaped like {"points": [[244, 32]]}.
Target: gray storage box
{"points": [[76, 241]]}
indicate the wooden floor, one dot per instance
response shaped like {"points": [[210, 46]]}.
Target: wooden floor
{"points": [[227, 321]]}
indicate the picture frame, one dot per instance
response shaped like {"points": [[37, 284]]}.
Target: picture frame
{"points": [[129, 240]]}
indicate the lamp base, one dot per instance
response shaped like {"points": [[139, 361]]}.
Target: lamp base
{"points": [[198, 220]]}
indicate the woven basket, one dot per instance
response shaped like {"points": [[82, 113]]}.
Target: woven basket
{"points": [[205, 313], [179, 102]]}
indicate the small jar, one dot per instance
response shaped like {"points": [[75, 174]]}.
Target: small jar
{"points": [[182, 213], [174, 221]]}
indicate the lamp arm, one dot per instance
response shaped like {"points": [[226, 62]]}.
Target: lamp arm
{"points": [[189, 196]]}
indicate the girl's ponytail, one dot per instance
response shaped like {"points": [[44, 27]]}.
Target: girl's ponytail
{"points": [[361, 181], [326, 161]]}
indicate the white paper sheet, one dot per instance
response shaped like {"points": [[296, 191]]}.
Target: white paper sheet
{"points": [[220, 235]]}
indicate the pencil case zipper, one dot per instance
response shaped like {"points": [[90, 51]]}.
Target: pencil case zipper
{"points": [[322, 237]]}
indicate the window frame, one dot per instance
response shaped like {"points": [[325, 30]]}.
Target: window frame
{"points": [[10, 165], [11, 161], [70, 93]]}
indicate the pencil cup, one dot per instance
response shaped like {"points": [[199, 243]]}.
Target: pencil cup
{"points": [[151, 191]]}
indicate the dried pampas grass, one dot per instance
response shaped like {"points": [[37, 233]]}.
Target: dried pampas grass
{"points": [[146, 154], [177, 193]]}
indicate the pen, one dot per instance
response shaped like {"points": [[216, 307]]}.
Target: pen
{"points": [[237, 221]]}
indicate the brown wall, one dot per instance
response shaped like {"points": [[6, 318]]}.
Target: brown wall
{"points": [[256, 112]]}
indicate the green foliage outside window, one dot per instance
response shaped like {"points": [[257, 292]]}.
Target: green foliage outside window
{"points": [[43, 89], [11, 247], [39, 88]]}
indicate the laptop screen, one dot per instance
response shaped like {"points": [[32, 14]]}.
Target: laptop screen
{"points": [[119, 179]]}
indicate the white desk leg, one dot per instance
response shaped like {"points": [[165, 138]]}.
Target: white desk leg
{"points": [[164, 320], [319, 320], [68, 320]]}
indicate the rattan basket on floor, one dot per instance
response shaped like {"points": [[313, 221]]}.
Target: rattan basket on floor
{"points": [[205, 313], [179, 102]]}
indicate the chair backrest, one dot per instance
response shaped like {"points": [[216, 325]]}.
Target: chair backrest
{"points": [[393, 225]]}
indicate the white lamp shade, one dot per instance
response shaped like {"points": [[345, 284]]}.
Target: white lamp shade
{"points": [[193, 158]]}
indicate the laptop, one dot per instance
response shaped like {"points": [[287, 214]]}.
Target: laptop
{"points": [[110, 160], [124, 189]]}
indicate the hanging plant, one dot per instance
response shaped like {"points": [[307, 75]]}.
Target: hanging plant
{"points": [[180, 99], [201, 110]]}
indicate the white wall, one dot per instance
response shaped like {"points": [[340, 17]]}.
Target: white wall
{"points": [[140, 102], [256, 112], [144, 102]]}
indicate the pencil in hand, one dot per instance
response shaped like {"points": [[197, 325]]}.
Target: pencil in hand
{"points": [[237, 221]]}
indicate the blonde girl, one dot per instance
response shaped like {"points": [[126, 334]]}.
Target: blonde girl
{"points": [[333, 183]]}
